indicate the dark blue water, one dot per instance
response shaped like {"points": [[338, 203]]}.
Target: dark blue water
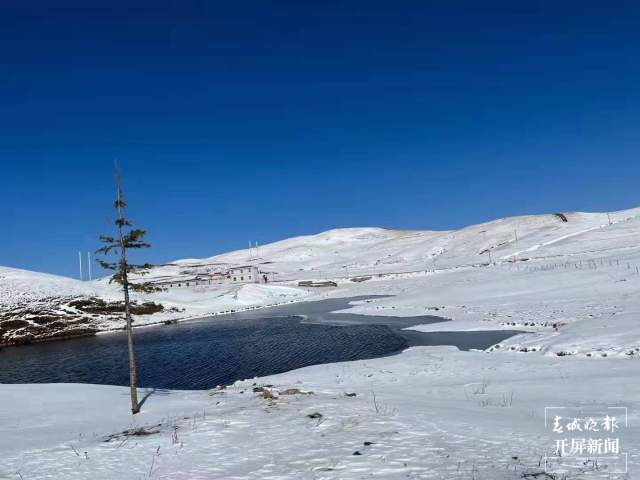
{"points": [[206, 353]]}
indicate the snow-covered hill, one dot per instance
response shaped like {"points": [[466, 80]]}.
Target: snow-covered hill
{"points": [[357, 251], [21, 286]]}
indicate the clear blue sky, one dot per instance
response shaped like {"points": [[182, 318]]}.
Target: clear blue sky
{"points": [[254, 120]]}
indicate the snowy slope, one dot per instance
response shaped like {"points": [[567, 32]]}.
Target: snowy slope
{"points": [[428, 413], [20, 286], [354, 251]]}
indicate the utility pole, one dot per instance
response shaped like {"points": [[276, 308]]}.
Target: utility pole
{"points": [[89, 264], [80, 263]]}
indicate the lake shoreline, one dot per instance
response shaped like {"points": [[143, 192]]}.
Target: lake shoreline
{"points": [[210, 351]]}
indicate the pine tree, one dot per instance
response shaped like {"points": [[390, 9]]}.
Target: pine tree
{"points": [[126, 238]]}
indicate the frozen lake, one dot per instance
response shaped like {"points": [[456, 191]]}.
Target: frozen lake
{"points": [[213, 351]]}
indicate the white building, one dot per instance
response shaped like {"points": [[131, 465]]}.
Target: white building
{"points": [[244, 274], [231, 275]]}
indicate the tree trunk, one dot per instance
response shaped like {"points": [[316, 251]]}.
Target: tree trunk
{"points": [[133, 374]]}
